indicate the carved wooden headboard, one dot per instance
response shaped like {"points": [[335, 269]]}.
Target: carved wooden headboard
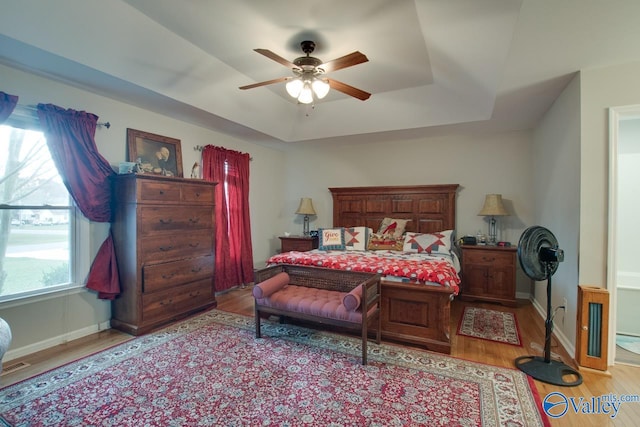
{"points": [[430, 208]]}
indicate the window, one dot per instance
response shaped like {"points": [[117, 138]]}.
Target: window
{"points": [[37, 215]]}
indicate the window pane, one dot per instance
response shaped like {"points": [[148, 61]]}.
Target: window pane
{"points": [[37, 254], [36, 220], [28, 175]]}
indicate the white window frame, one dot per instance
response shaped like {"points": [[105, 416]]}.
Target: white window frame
{"points": [[79, 227]]}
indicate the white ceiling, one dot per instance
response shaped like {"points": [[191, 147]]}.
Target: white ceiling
{"points": [[476, 65]]}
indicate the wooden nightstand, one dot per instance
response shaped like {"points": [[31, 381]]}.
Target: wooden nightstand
{"points": [[489, 274], [298, 243]]}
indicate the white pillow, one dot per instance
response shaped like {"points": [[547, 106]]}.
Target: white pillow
{"points": [[431, 243], [356, 238]]}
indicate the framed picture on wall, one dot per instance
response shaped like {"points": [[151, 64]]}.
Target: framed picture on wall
{"points": [[154, 154]]}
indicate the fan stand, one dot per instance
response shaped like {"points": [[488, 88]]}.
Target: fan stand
{"points": [[545, 369]]}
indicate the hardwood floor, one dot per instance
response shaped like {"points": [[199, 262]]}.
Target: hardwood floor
{"points": [[623, 379]]}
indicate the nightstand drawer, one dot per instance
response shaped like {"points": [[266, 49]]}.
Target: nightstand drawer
{"points": [[488, 257], [298, 243]]}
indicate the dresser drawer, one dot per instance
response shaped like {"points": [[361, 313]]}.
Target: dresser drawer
{"points": [[165, 248], [177, 300], [488, 257], [194, 193], [156, 277], [154, 219], [154, 191]]}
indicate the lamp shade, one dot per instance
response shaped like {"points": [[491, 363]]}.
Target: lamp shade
{"points": [[306, 207], [320, 88], [493, 206], [294, 87]]}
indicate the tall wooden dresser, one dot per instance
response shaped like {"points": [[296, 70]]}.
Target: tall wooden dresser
{"points": [[163, 230]]}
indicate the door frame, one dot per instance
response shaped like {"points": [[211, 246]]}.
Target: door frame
{"points": [[616, 114]]}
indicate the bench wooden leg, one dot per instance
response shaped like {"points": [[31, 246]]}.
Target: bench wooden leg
{"points": [[364, 340], [379, 326], [365, 334], [257, 317]]}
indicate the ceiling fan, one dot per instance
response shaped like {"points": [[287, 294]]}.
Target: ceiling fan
{"points": [[308, 80]]}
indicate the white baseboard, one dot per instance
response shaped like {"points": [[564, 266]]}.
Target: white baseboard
{"points": [[54, 341], [560, 336]]}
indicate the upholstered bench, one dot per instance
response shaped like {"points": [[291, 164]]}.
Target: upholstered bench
{"points": [[5, 339], [346, 299]]}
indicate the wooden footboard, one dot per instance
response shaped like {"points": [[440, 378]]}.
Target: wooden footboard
{"points": [[417, 314]]}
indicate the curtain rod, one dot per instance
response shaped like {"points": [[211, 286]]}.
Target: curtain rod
{"points": [[200, 148], [32, 110]]}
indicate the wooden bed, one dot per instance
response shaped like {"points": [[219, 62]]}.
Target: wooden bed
{"points": [[412, 313]]}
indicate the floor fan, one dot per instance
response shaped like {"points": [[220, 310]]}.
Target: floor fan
{"points": [[539, 256]]}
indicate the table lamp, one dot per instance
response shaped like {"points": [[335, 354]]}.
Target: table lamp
{"points": [[493, 207], [306, 209]]}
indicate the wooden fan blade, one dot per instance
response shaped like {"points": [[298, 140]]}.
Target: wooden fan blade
{"points": [[349, 90], [268, 82], [277, 58], [349, 60]]}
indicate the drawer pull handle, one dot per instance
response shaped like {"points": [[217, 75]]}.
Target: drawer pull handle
{"points": [[169, 301], [484, 258], [197, 194], [166, 221], [168, 276], [166, 248], [196, 270], [194, 294], [194, 220], [194, 245], [161, 191]]}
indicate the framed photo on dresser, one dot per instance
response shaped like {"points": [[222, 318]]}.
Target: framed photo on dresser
{"points": [[154, 154]]}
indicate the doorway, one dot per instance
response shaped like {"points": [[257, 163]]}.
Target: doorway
{"points": [[624, 208]]}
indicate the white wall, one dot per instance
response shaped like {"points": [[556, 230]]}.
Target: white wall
{"points": [[69, 316], [556, 177], [481, 164]]}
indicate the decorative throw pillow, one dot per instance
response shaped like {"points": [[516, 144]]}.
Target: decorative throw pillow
{"points": [[271, 285], [356, 238], [351, 301], [331, 239], [379, 242], [393, 227], [431, 243]]}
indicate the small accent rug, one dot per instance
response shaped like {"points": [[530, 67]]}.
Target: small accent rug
{"points": [[211, 370], [492, 325]]}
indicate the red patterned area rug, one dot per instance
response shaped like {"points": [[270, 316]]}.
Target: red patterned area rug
{"points": [[211, 370], [492, 325]]}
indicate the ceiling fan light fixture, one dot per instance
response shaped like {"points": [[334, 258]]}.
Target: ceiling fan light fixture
{"points": [[294, 87], [308, 70], [320, 88]]}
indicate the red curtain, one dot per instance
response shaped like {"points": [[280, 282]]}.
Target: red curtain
{"points": [[70, 138], [7, 105], [234, 253]]}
